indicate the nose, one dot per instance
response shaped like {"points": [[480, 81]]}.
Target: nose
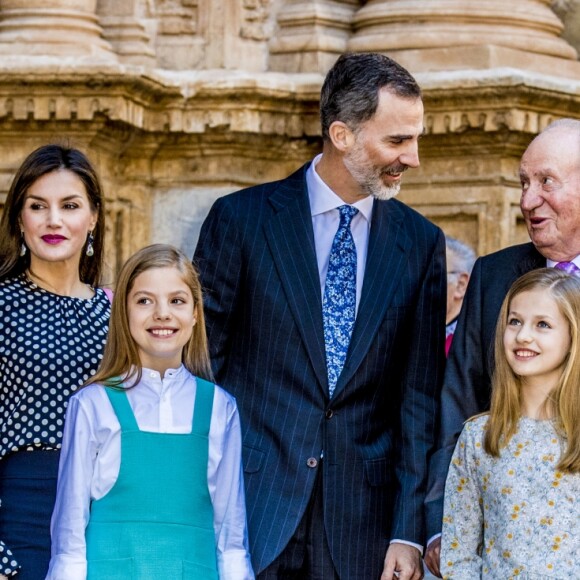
{"points": [[524, 335], [162, 311], [531, 198], [54, 217], [410, 156]]}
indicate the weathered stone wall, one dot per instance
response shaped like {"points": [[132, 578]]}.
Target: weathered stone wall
{"points": [[181, 101]]}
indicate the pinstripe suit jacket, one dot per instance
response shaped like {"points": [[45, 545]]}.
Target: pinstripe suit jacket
{"points": [[263, 305]]}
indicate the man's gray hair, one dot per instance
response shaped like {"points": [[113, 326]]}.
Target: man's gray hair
{"points": [[464, 254]]}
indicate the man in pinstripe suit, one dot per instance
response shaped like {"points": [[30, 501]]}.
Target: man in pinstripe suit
{"points": [[333, 483]]}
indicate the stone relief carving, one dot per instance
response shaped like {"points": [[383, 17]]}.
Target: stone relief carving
{"points": [[255, 19], [177, 17], [569, 13], [562, 6]]}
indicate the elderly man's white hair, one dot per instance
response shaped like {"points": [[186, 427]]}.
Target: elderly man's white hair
{"points": [[462, 252], [568, 123]]}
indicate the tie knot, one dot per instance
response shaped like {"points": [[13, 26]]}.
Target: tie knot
{"points": [[347, 212], [568, 267]]}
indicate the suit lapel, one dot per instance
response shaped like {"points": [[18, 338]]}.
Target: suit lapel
{"points": [[531, 261], [291, 241], [386, 259]]}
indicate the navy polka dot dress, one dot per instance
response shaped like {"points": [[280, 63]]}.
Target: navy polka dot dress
{"points": [[49, 346]]}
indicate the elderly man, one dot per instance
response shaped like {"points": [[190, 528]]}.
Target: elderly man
{"points": [[550, 203], [325, 312], [460, 260]]}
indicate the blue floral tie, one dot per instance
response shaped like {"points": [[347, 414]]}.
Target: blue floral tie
{"points": [[339, 303]]}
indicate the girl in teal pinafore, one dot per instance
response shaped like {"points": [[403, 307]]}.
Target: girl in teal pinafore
{"points": [[150, 480]]}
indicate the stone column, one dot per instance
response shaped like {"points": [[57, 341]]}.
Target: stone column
{"points": [[52, 29], [463, 34], [311, 34]]}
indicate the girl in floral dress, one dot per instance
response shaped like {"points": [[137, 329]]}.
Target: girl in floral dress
{"points": [[512, 497]]}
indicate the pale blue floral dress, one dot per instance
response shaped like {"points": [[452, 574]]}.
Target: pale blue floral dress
{"points": [[515, 516]]}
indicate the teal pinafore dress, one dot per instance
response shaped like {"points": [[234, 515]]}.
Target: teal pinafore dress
{"points": [[157, 520]]}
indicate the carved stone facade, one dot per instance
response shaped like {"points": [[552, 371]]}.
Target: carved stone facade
{"points": [[180, 101]]}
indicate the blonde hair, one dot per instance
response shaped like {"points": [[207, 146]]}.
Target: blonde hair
{"points": [[121, 356], [564, 400]]}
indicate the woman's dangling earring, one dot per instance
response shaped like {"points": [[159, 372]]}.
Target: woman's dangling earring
{"points": [[23, 247], [90, 250]]}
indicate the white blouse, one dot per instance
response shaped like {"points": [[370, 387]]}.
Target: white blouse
{"points": [[160, 405]]}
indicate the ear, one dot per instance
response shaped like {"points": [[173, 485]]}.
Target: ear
{"points": [[341, 136], [94, 220], [461, 286]]}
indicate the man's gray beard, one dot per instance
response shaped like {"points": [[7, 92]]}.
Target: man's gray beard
{"points": [[370, 183], [386, 192]]}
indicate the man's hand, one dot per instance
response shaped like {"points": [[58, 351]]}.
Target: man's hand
{"points": [[433, 557], [402, 562]]}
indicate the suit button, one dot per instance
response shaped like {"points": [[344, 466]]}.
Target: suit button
{"points": [[329, 414], [312, 462]]}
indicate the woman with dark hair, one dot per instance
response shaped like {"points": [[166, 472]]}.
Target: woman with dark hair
{"points": [[53, 326]]}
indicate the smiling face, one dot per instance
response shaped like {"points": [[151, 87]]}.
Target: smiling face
{"points": [[386, 145], [56, 218], [550, 202], [536, 339], [162, 315]]}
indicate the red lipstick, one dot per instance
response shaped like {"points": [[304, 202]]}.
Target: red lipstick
{"points": [[53, 239]]}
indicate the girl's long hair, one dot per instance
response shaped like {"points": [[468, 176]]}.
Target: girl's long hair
{"points": [[121, 363], [563, 402], [40, 162]]}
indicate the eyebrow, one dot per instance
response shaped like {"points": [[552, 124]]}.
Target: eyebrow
{"points": [[407, 136], [66, 198], [535, 316], [541, 171], [150, 293]]}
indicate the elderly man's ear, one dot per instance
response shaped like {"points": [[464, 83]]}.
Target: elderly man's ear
{"points": [[461, 286]]}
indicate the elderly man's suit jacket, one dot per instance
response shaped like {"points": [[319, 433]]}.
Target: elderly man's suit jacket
{"points": [[263, 307]]}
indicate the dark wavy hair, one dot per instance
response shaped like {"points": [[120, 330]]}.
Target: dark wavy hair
{"points": [[41, 161], [350, 92]]}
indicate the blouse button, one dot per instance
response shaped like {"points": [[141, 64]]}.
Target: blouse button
{"points": [[312, 462]]}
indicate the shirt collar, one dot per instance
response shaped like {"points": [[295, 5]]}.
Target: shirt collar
{"points": [[323, 199], [152, 378]]}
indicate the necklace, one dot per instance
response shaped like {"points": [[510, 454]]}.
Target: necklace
{"points": [[79, 290], [40, 282]]}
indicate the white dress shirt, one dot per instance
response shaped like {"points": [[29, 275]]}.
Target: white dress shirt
{"points": [[324, 204], [91, 458]]}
